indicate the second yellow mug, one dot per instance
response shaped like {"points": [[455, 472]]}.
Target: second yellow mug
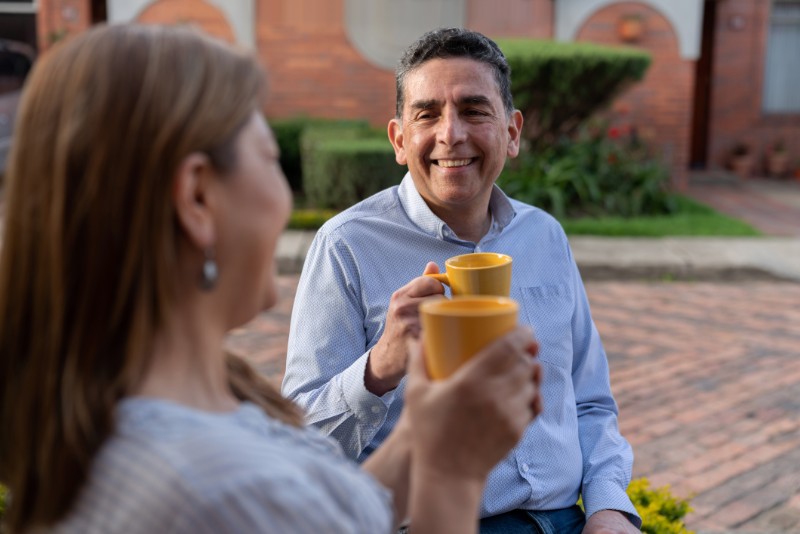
{"points": [[478, 273], [454, 330]]}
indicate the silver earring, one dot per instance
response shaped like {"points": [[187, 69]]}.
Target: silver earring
{"points": [[210, 271]]}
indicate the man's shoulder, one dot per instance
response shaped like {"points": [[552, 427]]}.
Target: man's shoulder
{"points": [[383, 206], [531, 215]]}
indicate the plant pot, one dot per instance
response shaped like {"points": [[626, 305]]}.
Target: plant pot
{"points": [[742, 165], [777, 163]]}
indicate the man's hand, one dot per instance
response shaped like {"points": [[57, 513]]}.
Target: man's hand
{"points": [[387, 360], [609, 522]]}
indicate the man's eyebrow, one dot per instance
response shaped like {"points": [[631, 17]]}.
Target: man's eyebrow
{"points": [[424, 104], [479, 100], [474, 100]]}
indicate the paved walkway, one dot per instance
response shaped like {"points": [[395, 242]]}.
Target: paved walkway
{"points": [[773, 206]]}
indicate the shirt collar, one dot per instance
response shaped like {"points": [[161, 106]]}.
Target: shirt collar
{"points": [[420, 214]]}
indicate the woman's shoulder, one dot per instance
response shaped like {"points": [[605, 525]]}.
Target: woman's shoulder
{"points": [[235, 469]]}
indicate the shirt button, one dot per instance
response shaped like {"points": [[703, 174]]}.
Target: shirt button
{"points": [[376, 409], [525, 468]]}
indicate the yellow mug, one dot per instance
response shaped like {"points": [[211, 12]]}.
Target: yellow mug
{"points": [[479, 273], [454, 330]]}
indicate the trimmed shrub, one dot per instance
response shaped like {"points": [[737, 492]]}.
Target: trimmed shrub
{"points": [[289, 132], [339, 171], [558, 86]]}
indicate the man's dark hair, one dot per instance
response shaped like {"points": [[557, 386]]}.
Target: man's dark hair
{"points": [[455, 42]]}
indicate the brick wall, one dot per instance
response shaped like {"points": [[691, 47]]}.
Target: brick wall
{"points": [[314, 69], [318, 72], [661, 105], [520, 18], [737, 81]]}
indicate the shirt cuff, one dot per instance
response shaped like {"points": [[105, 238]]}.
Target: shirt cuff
{"points": [[368, 408], [605, 494]]}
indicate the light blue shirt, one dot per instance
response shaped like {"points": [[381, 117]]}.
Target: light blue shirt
{"points": [[173, 469], [361, 256]]}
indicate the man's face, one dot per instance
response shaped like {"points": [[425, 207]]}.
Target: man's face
{"points": [[454, 134]]}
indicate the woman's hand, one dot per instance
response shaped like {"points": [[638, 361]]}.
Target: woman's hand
{"points": [[464, 425]]}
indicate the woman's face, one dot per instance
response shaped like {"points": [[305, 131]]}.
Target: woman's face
{"points": [[256, 202]]}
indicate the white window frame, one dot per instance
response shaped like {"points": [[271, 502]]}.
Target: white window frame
{"points": [[30, 7], [240, 15]]}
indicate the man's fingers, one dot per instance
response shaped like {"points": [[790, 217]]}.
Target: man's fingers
{"points": [[431, 268], [422, 286]]}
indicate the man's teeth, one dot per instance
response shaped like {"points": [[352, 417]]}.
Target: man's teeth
{"points": [[454, 162]]}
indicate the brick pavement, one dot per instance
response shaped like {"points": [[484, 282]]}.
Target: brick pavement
{"points": [[772, 206], [707, 376]]}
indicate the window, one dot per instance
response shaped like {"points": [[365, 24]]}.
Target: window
{"points": [[782, 71]]}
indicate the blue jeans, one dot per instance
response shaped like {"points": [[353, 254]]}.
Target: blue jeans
{"points": [[565, 521]]}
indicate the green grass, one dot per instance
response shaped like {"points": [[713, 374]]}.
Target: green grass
{"points": [[691, 219]]}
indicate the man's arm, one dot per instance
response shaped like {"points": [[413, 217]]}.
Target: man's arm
{"points": [[345, 388], [327, 353], [607, 456]]}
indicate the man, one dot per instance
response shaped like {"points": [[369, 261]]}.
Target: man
{"points": [[455, 126]]}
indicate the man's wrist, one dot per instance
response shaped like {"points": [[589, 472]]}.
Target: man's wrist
{"points": [[376, 384]]}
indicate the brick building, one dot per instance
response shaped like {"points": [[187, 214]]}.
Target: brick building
{"points": [[724, 72]]}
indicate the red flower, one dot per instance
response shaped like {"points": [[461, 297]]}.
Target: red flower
{"points": [[614, 132]]}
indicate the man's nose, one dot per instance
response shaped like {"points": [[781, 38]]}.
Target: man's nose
{"points": [[452, 129]]}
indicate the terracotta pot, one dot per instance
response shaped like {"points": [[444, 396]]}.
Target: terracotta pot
{"points": [[742, 165], [777, 163]]}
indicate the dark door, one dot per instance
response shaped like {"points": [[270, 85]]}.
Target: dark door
{"points": [[702, 89]]}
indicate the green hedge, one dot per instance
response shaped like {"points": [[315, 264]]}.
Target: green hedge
{"points": [[343, 168], [289, 132], [558, 86]]}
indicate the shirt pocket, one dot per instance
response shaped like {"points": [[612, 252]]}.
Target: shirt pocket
{"points": [[548, 309]]}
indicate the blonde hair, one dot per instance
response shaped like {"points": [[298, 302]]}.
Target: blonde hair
{"points": [[90, 240]]}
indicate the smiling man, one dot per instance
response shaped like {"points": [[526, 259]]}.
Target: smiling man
{"points": [[454, 128]]}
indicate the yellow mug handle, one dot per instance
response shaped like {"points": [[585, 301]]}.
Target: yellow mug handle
{"points": [[441, 277]]}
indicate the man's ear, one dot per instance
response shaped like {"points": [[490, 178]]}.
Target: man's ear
{"points": [[514, 133], [395, 131], [193, 197]]}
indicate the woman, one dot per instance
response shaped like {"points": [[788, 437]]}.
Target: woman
{"points": [[144, 204]]}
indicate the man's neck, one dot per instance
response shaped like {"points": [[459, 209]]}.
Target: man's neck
{"points": [[469, 225]]}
